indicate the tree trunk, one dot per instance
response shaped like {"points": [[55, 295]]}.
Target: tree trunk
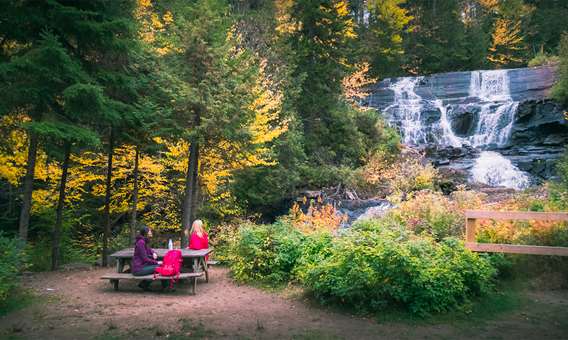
{"points": [[190, 192], [134, 197], [56, 237], [107, 226], [28, 188]]}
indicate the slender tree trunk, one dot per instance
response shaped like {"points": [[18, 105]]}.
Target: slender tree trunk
{"points": [[56, 237], [190, 191], [107, 226], [134, 197], [10, 199], [28, 188]]}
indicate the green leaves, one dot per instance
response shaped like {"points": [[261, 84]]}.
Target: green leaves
{"points": [[84, 100], [12, 262], [60, 132], [265, 253], [369, 267], [373, 267]]}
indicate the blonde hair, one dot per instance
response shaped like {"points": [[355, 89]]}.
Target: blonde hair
{"points": [[197, 227]]}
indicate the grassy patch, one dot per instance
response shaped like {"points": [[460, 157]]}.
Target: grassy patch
{"points": [[17, 300], [507, 298]]}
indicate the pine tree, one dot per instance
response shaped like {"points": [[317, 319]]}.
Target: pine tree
{"points": [[380, 35], [34, 83], [508, 46], [437, 41], [96, 41], [211, 80]]}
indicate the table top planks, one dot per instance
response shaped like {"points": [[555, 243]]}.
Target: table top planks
{"points": [[161, 252]]}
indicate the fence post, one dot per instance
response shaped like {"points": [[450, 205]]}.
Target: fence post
{"points": [[470, 224]]}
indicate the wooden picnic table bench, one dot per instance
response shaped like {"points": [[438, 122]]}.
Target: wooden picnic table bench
{"points": [[115, 277], [194, 260]]}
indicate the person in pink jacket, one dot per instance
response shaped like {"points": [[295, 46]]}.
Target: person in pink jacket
{"points": [[198, 238]]}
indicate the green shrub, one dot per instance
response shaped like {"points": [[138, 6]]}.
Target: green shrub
{"points": [[12, 262], [543, 59], [373, 266], [222, 237], [265, 253], [430, 213], [315, 248]]}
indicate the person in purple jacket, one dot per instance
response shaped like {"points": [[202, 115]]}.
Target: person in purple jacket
{"points": [[144, 261]]}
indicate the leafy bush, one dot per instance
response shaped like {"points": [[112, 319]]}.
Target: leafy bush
{"points": [[12, 261], [543, 59], [223, 237], [430, 213], [374, 266], [434, 214], [78, 243], [315, 248], [265, 253]]}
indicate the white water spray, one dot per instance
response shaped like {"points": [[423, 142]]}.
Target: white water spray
{"points": [[493, 169]]}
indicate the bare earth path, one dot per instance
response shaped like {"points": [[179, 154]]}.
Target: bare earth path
{"points": [[78, 305]]}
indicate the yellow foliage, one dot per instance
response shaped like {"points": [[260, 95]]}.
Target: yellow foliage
{"points": [[401, 175], [319, 217], [354, 84], [507, 41]]}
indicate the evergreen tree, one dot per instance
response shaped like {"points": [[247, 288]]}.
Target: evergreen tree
{"points": [[545, 25], [320, 47], [96, 39], [437, 41], [560, 90], [34, 83], [212, 81], [380, 35]]}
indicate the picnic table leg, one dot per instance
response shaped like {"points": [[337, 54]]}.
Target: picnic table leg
{"points": [[115, 284], [204, 265], [119, 265], [193, 285], [195, 264]]}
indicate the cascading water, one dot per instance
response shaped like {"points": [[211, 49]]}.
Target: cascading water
{"points": [[493, 169], [489, 98], [497, 109], [408, 107]]}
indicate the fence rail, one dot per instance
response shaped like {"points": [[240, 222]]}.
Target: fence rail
{"points": [[472, 216]]}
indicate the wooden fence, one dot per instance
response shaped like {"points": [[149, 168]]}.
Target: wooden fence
{"points": [[470, 228]]}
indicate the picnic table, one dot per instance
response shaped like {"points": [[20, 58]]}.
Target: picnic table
{"points": [[194, 260]]}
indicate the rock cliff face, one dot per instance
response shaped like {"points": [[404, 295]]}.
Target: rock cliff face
{"points": [[460, 115]]}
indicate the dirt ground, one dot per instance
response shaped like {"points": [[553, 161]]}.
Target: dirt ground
{"points": [[78, 305]]}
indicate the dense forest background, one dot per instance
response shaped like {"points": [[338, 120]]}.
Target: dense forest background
{"points": [[115, 114]]}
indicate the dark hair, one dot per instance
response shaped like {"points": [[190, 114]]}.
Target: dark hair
{"points": [[144, 231]]}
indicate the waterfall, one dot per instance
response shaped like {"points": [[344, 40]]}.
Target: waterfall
{"points": [[448, 137], [497, 109], [407, 111], [488, 99], [493, 169], [493, 102]]}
